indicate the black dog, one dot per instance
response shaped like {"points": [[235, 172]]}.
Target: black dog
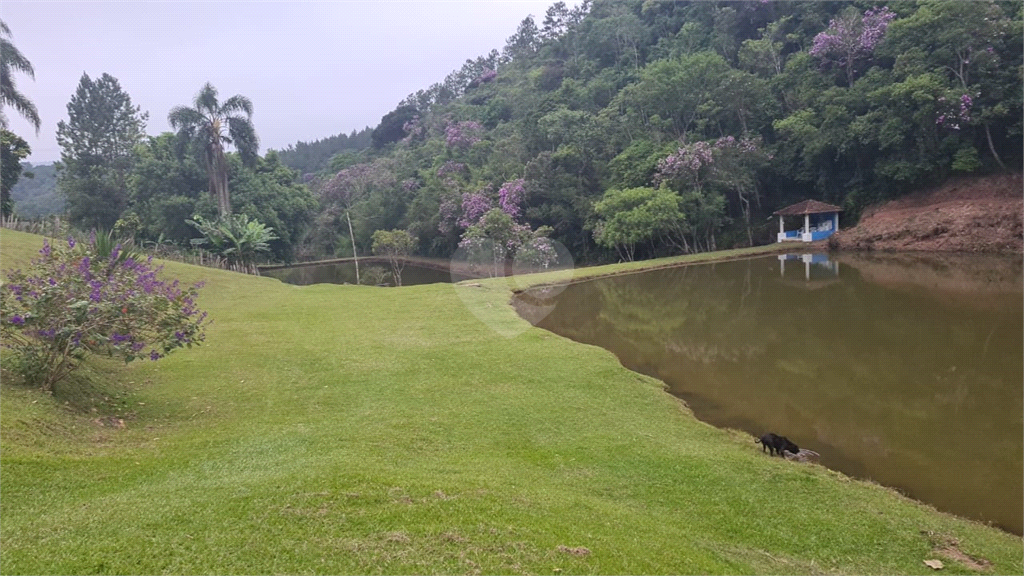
{"points": [[776, 444]]}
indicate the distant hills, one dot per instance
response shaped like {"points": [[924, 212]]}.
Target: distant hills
{"points": [[36, 196], [308, 157]]}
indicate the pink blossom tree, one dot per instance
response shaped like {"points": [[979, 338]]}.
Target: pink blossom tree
{"points": [[462, 135], [350, 187], [851, 38], [727, 164]]}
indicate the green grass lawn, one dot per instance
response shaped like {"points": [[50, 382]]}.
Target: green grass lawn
{"points": [[349, 429]]}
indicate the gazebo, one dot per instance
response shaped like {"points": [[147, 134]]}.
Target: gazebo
{"points": [[821, 220]]}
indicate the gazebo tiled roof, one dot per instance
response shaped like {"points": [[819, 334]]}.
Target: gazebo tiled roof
{"points": [[807, 207]]}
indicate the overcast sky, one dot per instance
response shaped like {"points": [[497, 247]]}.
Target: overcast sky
{"points": [[312, 69]]}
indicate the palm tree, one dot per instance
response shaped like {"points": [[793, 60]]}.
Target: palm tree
{"points": [[12, 59], [211, 125]]}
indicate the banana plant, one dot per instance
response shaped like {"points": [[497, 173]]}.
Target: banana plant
{"points": [[235, 237]]}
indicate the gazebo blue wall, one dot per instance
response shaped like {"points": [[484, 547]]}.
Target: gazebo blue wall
{"points": [[816, 221]]}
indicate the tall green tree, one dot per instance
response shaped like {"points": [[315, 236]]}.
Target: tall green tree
{"points": [[270, 193], [976, 47], [12, 60], [13, 149], [97, 144], [208, 127], [165, 189], [627, 218]]}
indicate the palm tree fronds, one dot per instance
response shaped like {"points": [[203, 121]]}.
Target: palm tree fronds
{"points": [[206, 100], [184, 117], [243, 136], [25, 107], [204, 127], [237, 103], [12, 59]]}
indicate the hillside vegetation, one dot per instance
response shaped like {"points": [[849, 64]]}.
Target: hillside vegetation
{"points": [[639, 128], [629, 129], [348, 429]]}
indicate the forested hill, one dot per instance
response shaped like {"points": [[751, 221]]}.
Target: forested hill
{"points": [[35, 193], [315, 156], [629, 128], [621, 128]]}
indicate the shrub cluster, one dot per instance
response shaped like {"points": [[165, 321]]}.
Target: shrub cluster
{"points": [[92, 297]]}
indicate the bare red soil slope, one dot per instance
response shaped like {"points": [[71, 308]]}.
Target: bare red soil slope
{"points": [[965, 214]]}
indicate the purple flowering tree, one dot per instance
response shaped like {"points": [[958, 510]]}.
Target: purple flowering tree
{"points": [[851, 38], [511, 196], [702, 170], [537, 252], [486, 76], [474, 206], [494, 234], [688, 166], [494, 238], [448, 215], [451, 171], [85, 298], [350, 187], [462, 135]]}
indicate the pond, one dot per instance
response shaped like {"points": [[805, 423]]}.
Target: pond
{"points": [[372, 271], [905, 370]]}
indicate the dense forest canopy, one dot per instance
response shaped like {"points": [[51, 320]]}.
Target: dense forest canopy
{"points": [[311, 157], [637, 128]]}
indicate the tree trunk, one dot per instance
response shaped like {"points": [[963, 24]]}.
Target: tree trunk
{"points": [[396, 269], [352, 237], [745, 210], [992, 148], [218, 174]]}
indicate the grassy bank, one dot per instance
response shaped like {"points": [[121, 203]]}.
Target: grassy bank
{"points": [[340, 429]]}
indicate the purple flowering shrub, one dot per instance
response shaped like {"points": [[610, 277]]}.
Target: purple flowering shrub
{"points": [[84, 299], [851, 37]]}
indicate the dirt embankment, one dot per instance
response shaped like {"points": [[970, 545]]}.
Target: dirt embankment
{"points": [[966, 214]]}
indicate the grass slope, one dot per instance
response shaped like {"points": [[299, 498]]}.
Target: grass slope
{"points": [[348, 429]]}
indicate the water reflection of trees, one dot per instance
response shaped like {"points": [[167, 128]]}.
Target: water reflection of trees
{"points": [[886, 383]]}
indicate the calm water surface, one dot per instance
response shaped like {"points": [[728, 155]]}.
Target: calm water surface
{"points": [[905, 370]]}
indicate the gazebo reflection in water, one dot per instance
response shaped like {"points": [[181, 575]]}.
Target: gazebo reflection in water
{"points": [[819, 260]]}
